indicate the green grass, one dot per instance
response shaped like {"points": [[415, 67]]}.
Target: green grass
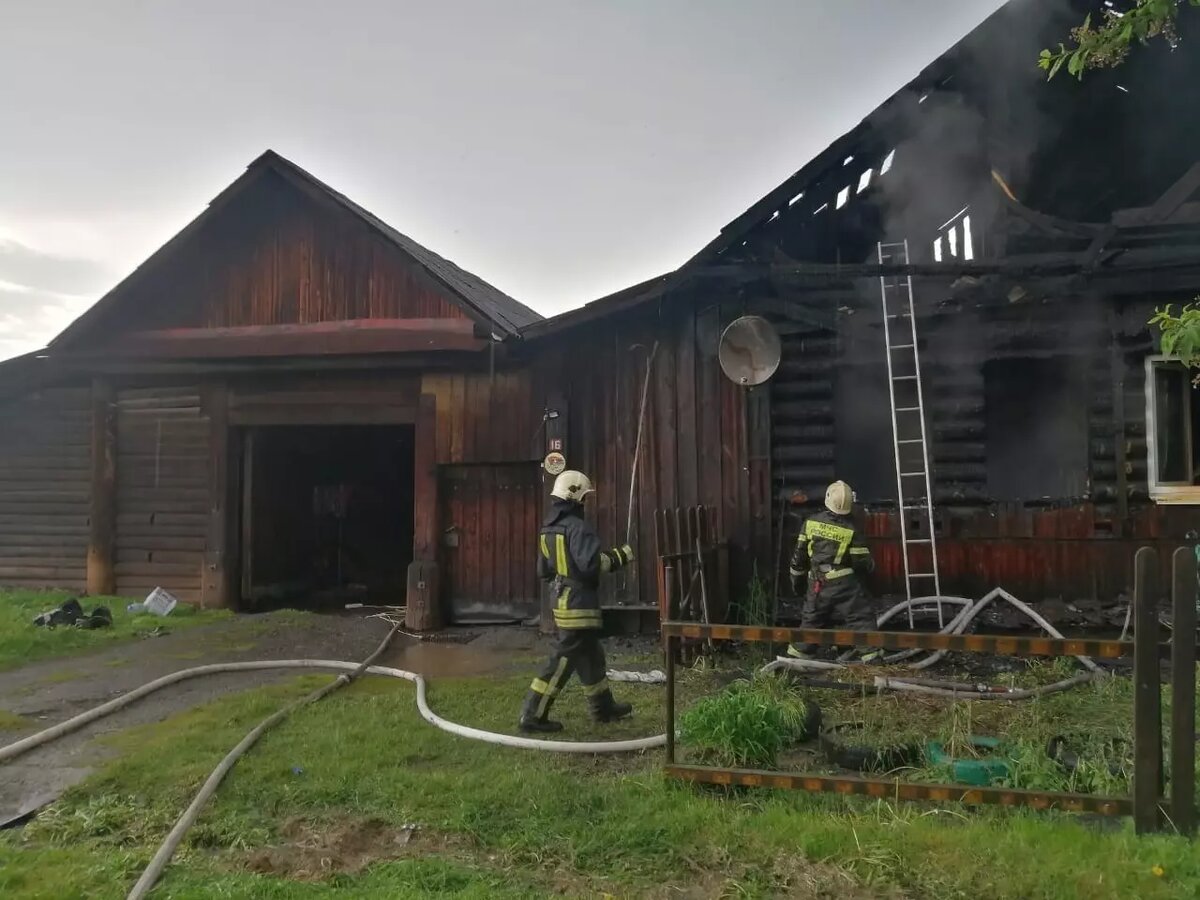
{"points": [[10, 721], [496, 822], [22, 642], [747, 724]]}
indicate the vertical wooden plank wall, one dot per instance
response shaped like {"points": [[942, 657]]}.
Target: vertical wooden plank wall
{"points": [[697, 444]]}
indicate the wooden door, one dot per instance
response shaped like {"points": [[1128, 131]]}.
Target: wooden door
{"points": [[489, 522]]}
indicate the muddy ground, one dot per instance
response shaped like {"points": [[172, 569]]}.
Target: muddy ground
{"points": [[49, 692]]}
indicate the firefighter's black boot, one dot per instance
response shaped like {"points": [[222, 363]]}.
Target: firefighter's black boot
{"points": [[605, 709], [530, 721]]}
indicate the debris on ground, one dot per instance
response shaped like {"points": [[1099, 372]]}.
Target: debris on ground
{"points": [[71, 614]]}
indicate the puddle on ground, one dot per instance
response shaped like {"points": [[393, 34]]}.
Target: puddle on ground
{"points": [[434, 660]]}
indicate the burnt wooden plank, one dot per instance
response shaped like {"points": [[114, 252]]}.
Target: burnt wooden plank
{"points": [[906, 640], [708, 409], [1147, 700], [216, 574], [101, 578], [894, 789], [687, 417], [1183, 691]]}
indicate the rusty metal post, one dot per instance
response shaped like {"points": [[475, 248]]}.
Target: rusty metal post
{"points": [[1147, 699], [1183, 691], [669, 647]]}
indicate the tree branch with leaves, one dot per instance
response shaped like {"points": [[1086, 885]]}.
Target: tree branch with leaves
{"points": [[1107, 45], [1179, 335]]}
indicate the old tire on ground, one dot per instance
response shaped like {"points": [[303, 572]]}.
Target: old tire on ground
{"points": [[978, 772], [838, 745]]}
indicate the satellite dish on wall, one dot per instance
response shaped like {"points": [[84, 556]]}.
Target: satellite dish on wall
{"points": [[749, 350]]}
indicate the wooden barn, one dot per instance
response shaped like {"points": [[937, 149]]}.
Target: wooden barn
{"points": [[291, 401]]}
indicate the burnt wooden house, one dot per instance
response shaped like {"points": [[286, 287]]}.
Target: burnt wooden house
{"points": [[1045, 222], [292, 399]]}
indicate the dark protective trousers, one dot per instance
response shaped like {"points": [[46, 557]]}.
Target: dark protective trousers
{"points": [[841, 603], [577, 651]]}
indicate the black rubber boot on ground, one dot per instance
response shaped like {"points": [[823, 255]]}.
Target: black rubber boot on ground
{"points": [[606, 709], [531, 722], [534, 725]]}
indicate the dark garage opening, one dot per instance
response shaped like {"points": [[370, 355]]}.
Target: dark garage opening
{"points": [[327, 515]]}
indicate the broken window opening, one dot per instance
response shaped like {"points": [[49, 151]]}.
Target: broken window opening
{"points": [[1172, 412], [937, 250], [1036, 428], [774, 216], [847, 160], [799, 196], [843, 196], [953, 239], [864, 181], [821, 208], [887, 163], [968, 242]]}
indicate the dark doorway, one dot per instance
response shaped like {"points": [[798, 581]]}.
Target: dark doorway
{"points": [[327, 515]]}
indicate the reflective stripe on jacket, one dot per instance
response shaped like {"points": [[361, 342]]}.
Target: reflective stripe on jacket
{"points": [[828, 548], [569, 555]]}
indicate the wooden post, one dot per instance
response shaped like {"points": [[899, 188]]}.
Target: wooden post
{"points": [[101, 572], [425, 486], [214, 579], [246, 545], [669, 648], [1147, 700], [423, 594], [1183, 691]]}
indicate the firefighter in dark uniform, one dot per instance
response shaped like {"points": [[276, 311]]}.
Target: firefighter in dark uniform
{"points": [[569, 555], [829, 563]]}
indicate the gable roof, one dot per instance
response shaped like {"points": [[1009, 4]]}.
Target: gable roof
{"points": [[482, 301]]}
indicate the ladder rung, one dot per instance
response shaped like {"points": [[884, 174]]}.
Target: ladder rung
{"points": [[911, 441], [909, 409], [922, 575], [899, 315], [904, 378], [919, 541], [903, 346], [911, 474], [916, 506]]}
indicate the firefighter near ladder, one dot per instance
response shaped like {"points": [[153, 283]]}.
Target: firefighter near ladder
{"points": [[570, 557], [829, 563]]}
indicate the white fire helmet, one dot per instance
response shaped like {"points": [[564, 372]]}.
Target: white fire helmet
{"points": [[839, 498], [571, 485]]}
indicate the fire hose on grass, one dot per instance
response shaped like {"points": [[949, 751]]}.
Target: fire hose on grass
{"points": [[167, 849], [163, 856]]}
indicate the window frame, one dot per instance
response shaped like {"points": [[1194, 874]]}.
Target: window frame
{"points": [[1169, 492]]}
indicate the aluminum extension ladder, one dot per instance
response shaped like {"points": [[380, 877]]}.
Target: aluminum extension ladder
{"points": [[918, 541]]}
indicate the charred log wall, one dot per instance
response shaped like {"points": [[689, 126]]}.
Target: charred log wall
{"points": [[1036, 418]]}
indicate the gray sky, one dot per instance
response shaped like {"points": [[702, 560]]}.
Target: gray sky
{"points": [[560, 149]]}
